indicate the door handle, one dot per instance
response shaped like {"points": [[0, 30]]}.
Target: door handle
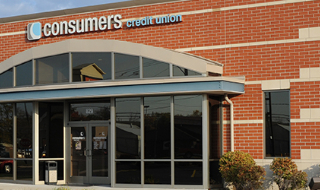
{"points": [[90, 153]]}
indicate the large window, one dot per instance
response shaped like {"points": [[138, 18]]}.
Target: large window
{"points": [[91, 66], [50, 136], [154, 68], [157, 127], [6, 141], [277, 125], [24, 141], [6, 79], [180, 71], [215, 136], [54, 69], [188, 127], [144, 145], [126, 66], [128, 140], [93, 111], [24, 74]]}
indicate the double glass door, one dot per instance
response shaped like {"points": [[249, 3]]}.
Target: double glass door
{"points": [[89, 159]]}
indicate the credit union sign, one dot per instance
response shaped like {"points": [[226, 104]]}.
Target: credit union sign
{"points": [[35, 30]]}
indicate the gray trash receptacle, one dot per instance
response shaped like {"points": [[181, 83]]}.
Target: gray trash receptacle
{"points": [[51, 172]]}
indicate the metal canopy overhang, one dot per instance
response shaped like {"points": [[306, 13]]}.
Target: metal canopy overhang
{"points": [[80, 91]]}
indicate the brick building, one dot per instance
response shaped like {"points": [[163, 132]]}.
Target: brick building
{"points": [[152, 93]]}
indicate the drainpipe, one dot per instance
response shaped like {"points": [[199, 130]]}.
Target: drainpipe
{"points": [[231, 121]]}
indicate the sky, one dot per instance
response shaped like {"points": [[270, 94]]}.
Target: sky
{"points": [[10, 8]]}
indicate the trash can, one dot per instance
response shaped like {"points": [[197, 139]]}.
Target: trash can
{"points": [[51, 172]]}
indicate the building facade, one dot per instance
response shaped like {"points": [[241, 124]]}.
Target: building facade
{"points": [[152, 93]]}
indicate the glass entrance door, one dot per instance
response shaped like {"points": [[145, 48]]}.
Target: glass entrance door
{"points": [[89, 161]]}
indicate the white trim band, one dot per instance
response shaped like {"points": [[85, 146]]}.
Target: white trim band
{"points": [[249, 44]]}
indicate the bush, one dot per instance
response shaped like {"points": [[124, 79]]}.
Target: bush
{"points": [[286, 174], [241, 170]]}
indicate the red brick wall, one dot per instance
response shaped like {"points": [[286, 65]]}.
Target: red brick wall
{"points": [[256, 63]]}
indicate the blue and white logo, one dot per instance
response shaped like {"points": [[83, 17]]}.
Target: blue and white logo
{"points": [[34, 31]]}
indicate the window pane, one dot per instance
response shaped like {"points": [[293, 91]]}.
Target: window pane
{"points": [[24, 170], [153, 68], [90, 111], [180, 71], [78, 164], [6, 170], [128, 128], [157, 127], [126, 66], [91, 66], [277, 106], [157, 173], [6, 131], [188, 127], [24, 130], [6, 79], [128, 172], [24, 74], [188, 173], [99, 149], [215, 129], [51, 130], [54, 69]]}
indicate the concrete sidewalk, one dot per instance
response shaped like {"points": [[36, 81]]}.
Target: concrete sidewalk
{"points": [[12, 186]]}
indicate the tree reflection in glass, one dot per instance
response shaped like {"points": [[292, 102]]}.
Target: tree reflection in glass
{"points": [[128, 134], [157, 127], [188, 127]]}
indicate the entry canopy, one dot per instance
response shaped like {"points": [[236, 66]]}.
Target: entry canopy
{"points": [[180, 59]]}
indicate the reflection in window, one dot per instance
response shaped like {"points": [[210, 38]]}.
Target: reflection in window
{"points": [[188, 127], [6, 79], [277, 110], [99, 151], [6, 141], [157, 173], [89, 111], [214, 130], [188, 173], [126, 66], [24, 170], [128, 135], [153, 68], [180, 71], [24, 130], [6, 131], [215, 141], [78, 164], [51, 130], [128, 172], [24, 74], [157, 127], [91, 66], [54, 69]]}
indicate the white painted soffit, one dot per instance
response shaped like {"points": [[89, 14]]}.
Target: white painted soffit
{"points": [[180, 59]]}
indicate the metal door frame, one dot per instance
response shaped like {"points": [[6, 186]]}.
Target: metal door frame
{"points": [[88, 179]]}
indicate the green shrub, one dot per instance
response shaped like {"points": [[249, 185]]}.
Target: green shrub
{"points": [[286, 174], [239, 169]]}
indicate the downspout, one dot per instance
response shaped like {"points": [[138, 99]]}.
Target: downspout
{"points": [[231, 122]]}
